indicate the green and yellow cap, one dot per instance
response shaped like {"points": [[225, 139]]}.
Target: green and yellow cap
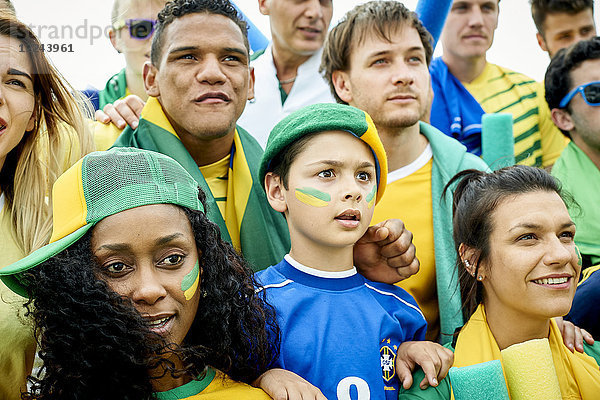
{"points": [[101, 184], [321, 118]]}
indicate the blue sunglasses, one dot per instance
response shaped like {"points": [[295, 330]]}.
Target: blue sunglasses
{"points": [[589, 91], [138, 28]]}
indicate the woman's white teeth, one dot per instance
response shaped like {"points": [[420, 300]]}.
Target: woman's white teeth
{"points": [[158, 322], [552, 281]]}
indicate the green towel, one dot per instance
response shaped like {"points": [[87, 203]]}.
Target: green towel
{"points": [[264, 236]]}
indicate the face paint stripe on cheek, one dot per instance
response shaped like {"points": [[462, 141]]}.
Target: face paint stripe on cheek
{"points": [[190, 282], [371, 197], [313, 197]]}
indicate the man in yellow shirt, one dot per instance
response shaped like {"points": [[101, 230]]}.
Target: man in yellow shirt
{"points": [[385, 73], [466, 86]]}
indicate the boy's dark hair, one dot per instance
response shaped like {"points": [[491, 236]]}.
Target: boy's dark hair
{"points": [[379, 17], [541, 8], [558, 80], [280, 165], [179, 8]]}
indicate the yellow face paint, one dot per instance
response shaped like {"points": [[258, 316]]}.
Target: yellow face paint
{"points": [[313, 197], [190, 282], [371, 197]]}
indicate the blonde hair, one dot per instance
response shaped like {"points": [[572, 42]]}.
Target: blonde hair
{"points": [[60, 137], [120, 6]]}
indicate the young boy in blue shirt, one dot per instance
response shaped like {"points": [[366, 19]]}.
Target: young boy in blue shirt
{"points": [[324, 167]]}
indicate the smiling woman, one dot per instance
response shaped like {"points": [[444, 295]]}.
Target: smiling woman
{"points": [[42, 133], [136, 296], [518, 268]]}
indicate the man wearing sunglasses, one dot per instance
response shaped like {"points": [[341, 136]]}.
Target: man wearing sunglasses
{"points": [[573, 94], [132, 26]]}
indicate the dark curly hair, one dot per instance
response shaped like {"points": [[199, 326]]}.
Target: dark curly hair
{"points": [[178, 8], [95, 345], [558, 80]]}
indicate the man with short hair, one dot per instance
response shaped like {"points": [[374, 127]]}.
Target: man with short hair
{"points": [[466, 86], [376, 59], [287, 73], [561, 23], [573, 94], [198, 81]]}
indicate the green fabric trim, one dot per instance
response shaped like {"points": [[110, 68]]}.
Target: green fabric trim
{"points": [[282, 94], [528, 96], [449, 158], [264, 234], [533, 111], [528, 153], [593, 350], [440, 392], [510, 88], [527, 133], [257, 54], [190, 389], [115, 88], [508, 73]]}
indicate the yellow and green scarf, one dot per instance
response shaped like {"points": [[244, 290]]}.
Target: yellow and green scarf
{"points": [[578, 374], [253, 227]]}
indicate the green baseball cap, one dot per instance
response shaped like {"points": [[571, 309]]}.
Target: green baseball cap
{"points": [[101, 184], [321, 118]]}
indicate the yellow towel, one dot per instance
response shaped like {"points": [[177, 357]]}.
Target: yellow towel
{"points": [[530, 371], [578, 374]]}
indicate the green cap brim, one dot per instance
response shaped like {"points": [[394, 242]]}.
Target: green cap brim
{"points": [[10, 275]]}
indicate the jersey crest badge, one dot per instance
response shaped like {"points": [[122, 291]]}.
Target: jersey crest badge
{"points": [[388, 362]]}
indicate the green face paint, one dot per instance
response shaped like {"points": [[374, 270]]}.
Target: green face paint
{"points": [[371, 197], [190, 282], [313, 197]]}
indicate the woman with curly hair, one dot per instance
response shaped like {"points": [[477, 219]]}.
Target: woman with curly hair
{"points": [[42, 133], [137, 296]]}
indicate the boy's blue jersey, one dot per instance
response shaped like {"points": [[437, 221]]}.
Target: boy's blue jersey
{"points": [[341, 331]]}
